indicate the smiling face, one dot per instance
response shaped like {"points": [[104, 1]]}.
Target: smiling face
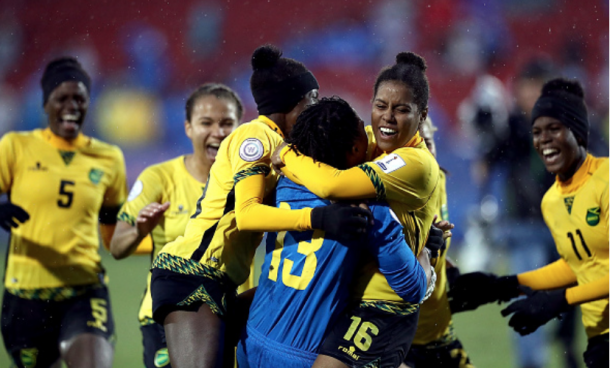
{"points": [[66, 109], [212, 120], [395, 116], [556, 145]]}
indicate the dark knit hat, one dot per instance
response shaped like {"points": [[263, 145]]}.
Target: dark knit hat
{"points": [[61, 70], [277, 83], [563, 100]]}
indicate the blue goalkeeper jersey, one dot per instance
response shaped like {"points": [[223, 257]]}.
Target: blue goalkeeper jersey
{"points": [[305, 279]]}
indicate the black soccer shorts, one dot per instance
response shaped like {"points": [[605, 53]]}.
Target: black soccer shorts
{"points": [[373, 335], [445, 354], [33, 329], [172, 291], [155, 346]]}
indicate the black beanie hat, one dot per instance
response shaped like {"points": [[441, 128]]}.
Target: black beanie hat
{"points": [[61, 70], [563, 100], [277, 83]]}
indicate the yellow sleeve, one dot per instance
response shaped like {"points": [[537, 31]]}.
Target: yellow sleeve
{"points": [[250, 157], [589, 292], [325, 181], [116, 192], [408, 175], [7, 163], [553, 276], [252, 215], [604, 206], [148, 188]]}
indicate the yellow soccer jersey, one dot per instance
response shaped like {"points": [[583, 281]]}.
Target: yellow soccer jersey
{"points": [[408, 179], [211, 236], [168, 181], [434, 314], [63, 186], [576, 213]]}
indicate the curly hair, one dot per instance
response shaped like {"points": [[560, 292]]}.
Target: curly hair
{"points": [[326, 131], [410, 69]]}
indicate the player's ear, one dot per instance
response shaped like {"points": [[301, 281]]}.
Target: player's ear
{"points": [[188, 129]]}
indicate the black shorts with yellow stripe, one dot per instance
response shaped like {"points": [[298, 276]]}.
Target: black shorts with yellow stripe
{"points": [[373, 334], [34, 328], [446, 352], [184, 284]]}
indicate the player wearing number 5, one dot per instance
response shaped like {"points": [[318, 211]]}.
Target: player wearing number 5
{"points": [[61, 184], [575, 209]]}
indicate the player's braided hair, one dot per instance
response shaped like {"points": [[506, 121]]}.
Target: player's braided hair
{"points": [[409, 69], [326, 131], [219, 91]]}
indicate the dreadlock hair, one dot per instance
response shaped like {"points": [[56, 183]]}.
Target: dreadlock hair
{"points": [[219, 91], [326, 131], [410, 70]]}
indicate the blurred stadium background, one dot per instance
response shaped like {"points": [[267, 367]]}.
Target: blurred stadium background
{"points": [[145, 57]]}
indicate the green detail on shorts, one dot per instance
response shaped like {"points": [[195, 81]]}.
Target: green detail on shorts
{"points": [[161, 358], [374, 364], [256, 170], [95, 175], [29, 357], [67, 156], [185, 266], [147, 321], [201, 295], [55, 294], [593, 216], [375, 179], [569, 201], [401, 309], [125, 217]]}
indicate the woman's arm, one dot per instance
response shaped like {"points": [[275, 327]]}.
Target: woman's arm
{"points": [[553, 276], [128, 238], [325, 181]]}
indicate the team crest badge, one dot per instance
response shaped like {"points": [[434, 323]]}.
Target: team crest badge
{"points": [[28, 357], [161, 358], [593, 216], [569, 201], [95, 175], [251, 150]]}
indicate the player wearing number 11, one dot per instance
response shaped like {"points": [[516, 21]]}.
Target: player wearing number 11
{"points": [[575, 209], [61, 184]]}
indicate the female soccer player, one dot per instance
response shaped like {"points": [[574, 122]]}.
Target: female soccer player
{"points": [[304, 284], [195, 277], [61, 184], [165, 195], [575, 209], [435, 343], [405, 175]]}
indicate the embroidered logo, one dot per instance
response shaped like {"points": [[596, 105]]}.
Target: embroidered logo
{"points": [[251, 150], [95, 175], [29, 357], [569, 201], [38, 167], [67, 156], [593, 216], [161, 358]]}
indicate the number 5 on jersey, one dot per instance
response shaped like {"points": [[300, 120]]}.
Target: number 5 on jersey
{"points": [[66, 194], [305, 248]]}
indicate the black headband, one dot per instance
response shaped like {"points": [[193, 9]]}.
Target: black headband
{"points": [[63, 73], [568, 109], [285, 95]]}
